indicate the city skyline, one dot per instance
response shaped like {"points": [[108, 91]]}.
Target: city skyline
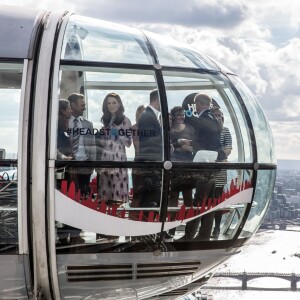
{"points": [[255, 39]]}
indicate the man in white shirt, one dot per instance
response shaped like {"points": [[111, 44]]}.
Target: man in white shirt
{"points": [[84, 149]]}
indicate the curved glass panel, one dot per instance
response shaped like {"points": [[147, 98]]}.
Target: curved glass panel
{"points": [[208, 203], [244, 129], [193, 136], [263, 134], [134, 130], [95, 40], [263, 193], [173, 54], [107, 206], [203, 205], [10, 94]]}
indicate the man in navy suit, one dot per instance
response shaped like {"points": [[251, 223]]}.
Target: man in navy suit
{"points": [[150, 149], [150, 137], [207, 138], [207, 128]]}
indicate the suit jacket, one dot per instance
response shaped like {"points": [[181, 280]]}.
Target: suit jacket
{"points": [[150, 137], [88, 138], [208, 134]]}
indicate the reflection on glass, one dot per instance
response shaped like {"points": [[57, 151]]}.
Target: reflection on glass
{"points": [[171, 53], [10, 93], [245, 149], [137, 118], [181, 88], [8, 207], [263, 193], [262, 130], [118, 198], [200, 206], [209, 203], [94, 40]]}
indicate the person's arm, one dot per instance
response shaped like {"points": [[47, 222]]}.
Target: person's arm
{"points": [[126, 138], [92, 143], [227, 142], [61, 156]]}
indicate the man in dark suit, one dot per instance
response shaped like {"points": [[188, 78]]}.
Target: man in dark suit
{"points": [[150, 149], [150, 137], [207, 138], [207, 128]]}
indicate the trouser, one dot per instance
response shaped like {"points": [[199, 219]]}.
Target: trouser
{"points": [[150, 189], [81, 182], [204, 190]]}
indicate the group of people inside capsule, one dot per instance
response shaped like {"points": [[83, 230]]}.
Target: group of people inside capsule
{"points": [[201, 131]]}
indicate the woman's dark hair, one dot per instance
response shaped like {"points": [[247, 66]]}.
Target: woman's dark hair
{"points": [[62, 105], [106, 118], [175, 110]]}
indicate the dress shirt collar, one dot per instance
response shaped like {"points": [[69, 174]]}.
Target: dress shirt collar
{"points": [[201, 112], [78, 118], [157, 112]]}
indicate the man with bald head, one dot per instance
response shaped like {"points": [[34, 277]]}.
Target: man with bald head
{"points": [[207, 137], [207, 129]]}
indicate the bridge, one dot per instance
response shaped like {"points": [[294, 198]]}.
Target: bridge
{"points": [[293, 278]]}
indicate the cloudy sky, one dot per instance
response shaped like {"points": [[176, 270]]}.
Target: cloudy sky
{"points": [[259, 40]]}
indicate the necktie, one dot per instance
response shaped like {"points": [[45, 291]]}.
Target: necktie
{"points": [[75, 140], [159, 119]]}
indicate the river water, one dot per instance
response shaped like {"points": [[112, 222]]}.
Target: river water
{"points": [[267, 251]]}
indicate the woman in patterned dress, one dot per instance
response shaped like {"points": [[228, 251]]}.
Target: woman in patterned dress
{"points": [[114, 137]]}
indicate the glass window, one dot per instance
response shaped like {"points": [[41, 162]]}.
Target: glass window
{"points": [[245, 150], [104, 205], [120, 119], [200, 139], [94, 40], [129, 209], [209, 203], [10, 93], [263, 134], [173, 54], [263, 193]]}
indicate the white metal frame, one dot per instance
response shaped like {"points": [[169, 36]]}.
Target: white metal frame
{"points": [[52, 156], [39, 160]]}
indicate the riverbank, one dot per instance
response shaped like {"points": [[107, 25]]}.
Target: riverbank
{"points": [[267, 251]]}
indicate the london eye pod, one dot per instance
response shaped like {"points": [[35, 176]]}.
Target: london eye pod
{"points": [[120, 220]]}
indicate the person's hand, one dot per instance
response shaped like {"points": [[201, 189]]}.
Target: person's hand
{"points": [[187, 148], [182, 142], [64, 157]]}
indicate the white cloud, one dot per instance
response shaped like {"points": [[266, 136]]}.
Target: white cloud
{"points": [[256, 39]]}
